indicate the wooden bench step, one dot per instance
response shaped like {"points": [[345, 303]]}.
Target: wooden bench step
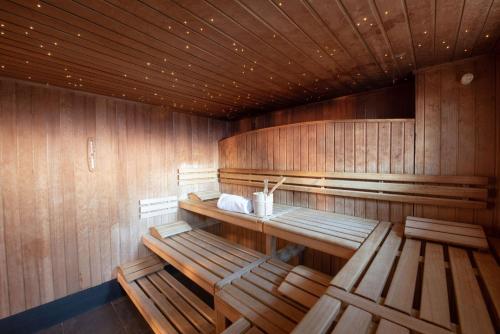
{"points": [[304, 285], [257, 296], [166, 304], [453, 233], [203, 257], [242, 326]]}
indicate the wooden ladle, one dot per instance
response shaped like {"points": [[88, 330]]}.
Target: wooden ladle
{"points": [[277, 185]]}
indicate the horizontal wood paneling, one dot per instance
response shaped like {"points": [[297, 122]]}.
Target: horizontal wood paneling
{"points": [[456, 130], [392, 102], [384, 146], [63, 228]]}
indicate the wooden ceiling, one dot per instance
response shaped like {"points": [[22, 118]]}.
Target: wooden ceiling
{"points": [[227, 58]]}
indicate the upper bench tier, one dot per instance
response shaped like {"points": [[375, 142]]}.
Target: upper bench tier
{"points": [[332, 233]]}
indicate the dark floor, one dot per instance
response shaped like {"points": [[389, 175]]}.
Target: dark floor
{"points": [[120, 317]]}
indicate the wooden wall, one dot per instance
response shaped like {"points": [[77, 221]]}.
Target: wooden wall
{"points": [[384, 146], [63, 228], [392, 102], [457, 129]]}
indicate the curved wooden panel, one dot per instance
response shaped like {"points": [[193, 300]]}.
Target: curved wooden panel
{"points": [[324, 148]]}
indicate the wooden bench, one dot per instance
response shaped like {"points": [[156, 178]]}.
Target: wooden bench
{"points": [[418, 285], [453, 191], [273, 297], [203, 257], [167, 305], [442, 231], [332, 233], [242, 326], [329, 232], [249, 221]]}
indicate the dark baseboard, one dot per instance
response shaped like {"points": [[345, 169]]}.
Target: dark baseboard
{"points": [[52, 313]]}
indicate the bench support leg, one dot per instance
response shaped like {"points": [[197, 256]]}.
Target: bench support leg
{"points": [[220, 322], [270, 245]]}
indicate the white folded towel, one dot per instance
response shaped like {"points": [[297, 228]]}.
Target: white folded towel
{"points": [[234, 203]]}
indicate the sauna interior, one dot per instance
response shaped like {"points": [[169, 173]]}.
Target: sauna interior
{"points": [[249, 166]]}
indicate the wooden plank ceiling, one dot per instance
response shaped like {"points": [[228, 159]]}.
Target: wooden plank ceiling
{"points": [[227, 58]]}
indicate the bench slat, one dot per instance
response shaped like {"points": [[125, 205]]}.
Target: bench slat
{"points": [[433, 226], [490, 273], [254, 313], [166, 307], [448, 238], [472, 310], [434, 301], [320, 318], [159, 324], [186, 309], [448, 179], [353, 321], [374, 280], [376, 185], [387, 327], [300, 296], [391, 197], [238, 327], [401, 291], [352, 270], [191, 269], [269, 299], [320, 229], [198, 304]]}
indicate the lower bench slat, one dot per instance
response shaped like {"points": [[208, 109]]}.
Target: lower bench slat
{"points": [[167, 305]]}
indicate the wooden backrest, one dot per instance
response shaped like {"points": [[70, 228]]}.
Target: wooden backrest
{"points": [[153, 207], [452, 191], [196, 175]]}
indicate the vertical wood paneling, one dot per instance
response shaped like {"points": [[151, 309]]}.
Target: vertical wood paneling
{"points": [[27, 187], [342, 146], [43, 257], [455, 127], [10, 190], [63, 228]]}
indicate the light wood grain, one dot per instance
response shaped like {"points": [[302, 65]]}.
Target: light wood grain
{"points": [[238, 327], [434, 301], [353, 320], [472, 310], [374, 280], [350, 273], [490, 271], [166, 306], [79, 226], [402, 288], [397, 317], [387, 327], [320, 317], [448, 114]]}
